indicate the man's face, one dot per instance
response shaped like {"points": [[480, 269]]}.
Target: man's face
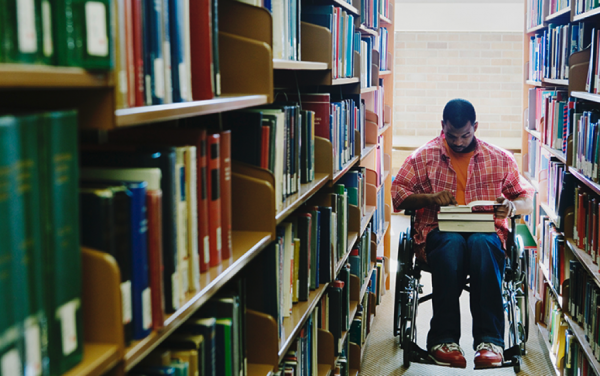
{"points": [[459, 140]]}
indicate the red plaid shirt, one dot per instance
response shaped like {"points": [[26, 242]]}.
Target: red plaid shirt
{"points": [[492, 173]]}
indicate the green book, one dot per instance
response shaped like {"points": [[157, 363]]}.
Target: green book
{"points": [[35, 321], [62, 256], [82, 33], [21, 34], [11, 345], [224, 347]]}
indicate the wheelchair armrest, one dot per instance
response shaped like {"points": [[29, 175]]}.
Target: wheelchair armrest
{"points": [[409, 212]]}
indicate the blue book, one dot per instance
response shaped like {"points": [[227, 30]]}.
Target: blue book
{"points": [[176, 22], [153, 55], [207, 328]]}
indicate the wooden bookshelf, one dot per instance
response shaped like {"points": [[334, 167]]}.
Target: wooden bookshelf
{"points": [[556, 153], [369, 148], [299, 65], [246, 245], [585, 180], [553, 81], [365, 285], [535, 134], [20, 76], [344, 81], [98, 358], [297, 199], [352, 238], [324, 369], [588, 14], [546, 274], [385, 128], [364, 222], [365, 30], [545, 335], [561, 13], [164, 112], [585, 260], [385, 73], [386, 173], [342, 172], [260, 370], [585, 95], [551, 214], [370, 89], [536, 28], [347, 6], [533, 83], [385, 21], [351, 314], [386, 226], [300, 313], [354, 372], [584, 344]]}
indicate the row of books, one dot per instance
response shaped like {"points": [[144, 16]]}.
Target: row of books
{"points": [[582, 6], [41, 320], [343, 36], [369, 13], [593, 82], [382, 43], [212, 342], [585, 144], [549, 51], [553, 114], [553, 254], [165, 52], [535, 13], [585, 228], [558, 189], [558, 5], [360, 257], [302, 357], [57, 33], [366, 57], [576, 361], [552, 318], [286, 28]]}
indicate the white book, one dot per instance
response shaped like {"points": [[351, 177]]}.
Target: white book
{"points": [[467, 226], [465, 216], [186, 82], [288, 242], [278, 25], [181, 224], [191, 191], [466, 208]]}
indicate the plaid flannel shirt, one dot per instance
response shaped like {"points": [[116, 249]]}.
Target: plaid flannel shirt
{"points": [[492, 173]]}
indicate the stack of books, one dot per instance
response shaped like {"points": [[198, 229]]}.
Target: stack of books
{"points": [[461, 218]]}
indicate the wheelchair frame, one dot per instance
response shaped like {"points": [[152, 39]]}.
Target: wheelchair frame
{"points": [[408, 290]]}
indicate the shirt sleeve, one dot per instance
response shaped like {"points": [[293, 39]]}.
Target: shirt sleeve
{"points": [[516, 186], [405, 182]]}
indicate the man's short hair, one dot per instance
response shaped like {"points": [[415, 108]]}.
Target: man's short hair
{"points": [[458, 112]]}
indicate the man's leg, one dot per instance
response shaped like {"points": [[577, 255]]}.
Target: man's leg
{"points": [[445, 256], [486, 268]]}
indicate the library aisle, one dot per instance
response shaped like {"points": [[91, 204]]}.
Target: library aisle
{"points": [[383, 356]]}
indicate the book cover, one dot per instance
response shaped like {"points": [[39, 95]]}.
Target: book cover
{"points": [[225, 171], [223, 344], [137, 25], [304, 262], [154, 87], [214, 198], [201, 29]]}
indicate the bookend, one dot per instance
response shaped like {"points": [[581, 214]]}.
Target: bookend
{"points": [[323, 156], [261, 332], [578, 70], [326, 350], [253, 197]]}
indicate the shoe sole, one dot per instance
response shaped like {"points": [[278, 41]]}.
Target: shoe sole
{"points": [[493, 365], [446, 364]]}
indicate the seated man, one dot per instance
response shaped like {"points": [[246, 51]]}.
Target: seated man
{"points": [[457, 168]]}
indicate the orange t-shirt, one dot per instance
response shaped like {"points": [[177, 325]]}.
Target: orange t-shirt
{"points": [[460, 163]]}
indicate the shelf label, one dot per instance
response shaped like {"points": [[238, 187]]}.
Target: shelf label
{"points": [[11, 363], [146, 308], [33, 352], [159, 78], [96, 35], [175, 290], [26, 26], [68, 325], [206, 250], [47, 28], [126, 301], [219, 239]]}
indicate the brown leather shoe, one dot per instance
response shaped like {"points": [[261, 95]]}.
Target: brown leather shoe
{"points": [[488, 355], [449, 355]]}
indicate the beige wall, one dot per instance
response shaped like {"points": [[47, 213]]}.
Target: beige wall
{"points": [[434, 67]]}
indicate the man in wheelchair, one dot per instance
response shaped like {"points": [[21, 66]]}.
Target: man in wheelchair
{"points": [[457, 168]]}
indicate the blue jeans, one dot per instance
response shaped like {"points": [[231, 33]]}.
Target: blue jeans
{"points": [[451, 257]]}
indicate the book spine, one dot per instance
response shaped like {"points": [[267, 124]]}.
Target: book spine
{"points": [[202, 186], [225, 164], [201, 30], [155, 257], [137, 21], [214, 199]]}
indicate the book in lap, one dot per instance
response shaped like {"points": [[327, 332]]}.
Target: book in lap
{"points": [[461, 218]]}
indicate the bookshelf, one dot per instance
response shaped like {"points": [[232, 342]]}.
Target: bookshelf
{"points": [[248, 75], [586, 15], [561, 13]]}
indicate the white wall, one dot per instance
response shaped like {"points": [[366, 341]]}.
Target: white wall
{"points": [[462, 15]]}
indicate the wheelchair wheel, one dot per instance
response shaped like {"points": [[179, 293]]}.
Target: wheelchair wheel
{"points": [[406, 346], [516, 361], [523, 302], [401, 286]]}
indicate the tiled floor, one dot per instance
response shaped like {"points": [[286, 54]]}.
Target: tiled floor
{"points": [[384, 357]]}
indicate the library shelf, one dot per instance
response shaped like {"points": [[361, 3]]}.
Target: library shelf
{"points": [[385, 176], [585, 260], [584, 344], [365, 285], [546, 274], [164, 112], [352, 238], [546, 336], [246, 245], [43, 76], [344, 81], [385, 128], [560, 13], [370, 89], [300, 313], [585, 180], [369, 148], [98, 358], [536, 134], [365, 30], [554, 81], [351, 314], [324, 369], [385, 20], [533, 83], [347, 6], [386, 226], [336, 176], [364, 222], [384, 72], [306, 191], [556, 153], [585, 95], [588, 14], [549, 212], [298, 65], [536, 28], [353, 372], [532, 181], [260, 370]]}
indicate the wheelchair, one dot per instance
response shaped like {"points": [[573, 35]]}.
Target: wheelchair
{"points": [[408, 292]]}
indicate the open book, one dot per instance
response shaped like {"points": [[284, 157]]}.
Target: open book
{"points": [[467, 208]]}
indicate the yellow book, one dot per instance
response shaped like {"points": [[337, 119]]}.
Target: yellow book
{"points": [[296, 286]]}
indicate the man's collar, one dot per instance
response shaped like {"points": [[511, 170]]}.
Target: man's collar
{"points": [[445, 152]]}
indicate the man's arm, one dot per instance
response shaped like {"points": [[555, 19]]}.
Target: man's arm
{"points": [[420, 200]]}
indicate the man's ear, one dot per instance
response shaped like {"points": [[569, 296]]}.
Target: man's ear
{"points": [[475, 126]]}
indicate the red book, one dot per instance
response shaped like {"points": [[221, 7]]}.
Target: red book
{"points": [[179, 137], [138, 54], [226, 235], [155, 265], [319, 104], [264, 148], [201, 42], [214, 199], [581, 221]]}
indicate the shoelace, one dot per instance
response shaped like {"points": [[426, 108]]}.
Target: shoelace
{"points": [[490, 347], [449, 347]]}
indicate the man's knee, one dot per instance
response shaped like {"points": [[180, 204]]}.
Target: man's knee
{"points": [[484, 240], [449, 248]]}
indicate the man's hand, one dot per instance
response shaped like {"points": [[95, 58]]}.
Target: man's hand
{"points": [[505, 210], [443, 198]]}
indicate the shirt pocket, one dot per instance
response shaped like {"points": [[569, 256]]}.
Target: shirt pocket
{"points": [[486, 183]]}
